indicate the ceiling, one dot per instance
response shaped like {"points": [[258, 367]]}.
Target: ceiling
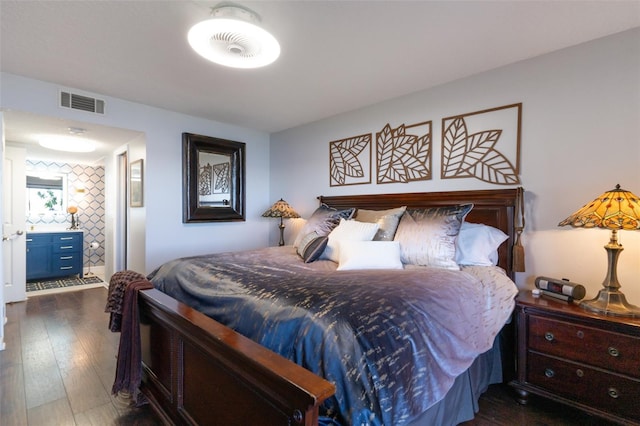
{"points": [[336, 56]]}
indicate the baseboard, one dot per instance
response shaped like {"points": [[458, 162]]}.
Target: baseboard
{"points": [[95, 270]]}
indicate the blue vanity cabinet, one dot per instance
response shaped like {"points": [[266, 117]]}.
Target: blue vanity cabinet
{"points": [[54, 254]]}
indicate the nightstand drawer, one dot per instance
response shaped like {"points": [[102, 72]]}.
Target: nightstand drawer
{"points": [[605, 349], [590, 386]]}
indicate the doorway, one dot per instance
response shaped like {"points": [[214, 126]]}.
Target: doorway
{"points": [[20, 131], [122, 217]]}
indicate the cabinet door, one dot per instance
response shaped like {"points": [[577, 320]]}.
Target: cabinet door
{"points": [[38, 260]]}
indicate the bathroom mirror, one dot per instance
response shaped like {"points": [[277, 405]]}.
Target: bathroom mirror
{"points": [[46, 193]]}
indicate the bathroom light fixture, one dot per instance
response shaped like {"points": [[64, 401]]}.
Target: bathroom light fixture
{"points": [[77, 130], [67, 143], [233, 38]]}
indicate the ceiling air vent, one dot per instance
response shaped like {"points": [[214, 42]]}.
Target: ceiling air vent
{"points": [[83, 103]]}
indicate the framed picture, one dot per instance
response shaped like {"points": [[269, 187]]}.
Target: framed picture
{"points": [[136, 183], [213, 179]]}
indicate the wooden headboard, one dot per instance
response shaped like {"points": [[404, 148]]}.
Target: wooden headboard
{"points": [[491, 207]]}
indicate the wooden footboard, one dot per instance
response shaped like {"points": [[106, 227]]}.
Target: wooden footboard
{"points": [[197, 371]]}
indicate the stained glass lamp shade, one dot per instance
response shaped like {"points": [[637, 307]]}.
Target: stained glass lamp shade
{"points": [[283, 210], [615, 209]]}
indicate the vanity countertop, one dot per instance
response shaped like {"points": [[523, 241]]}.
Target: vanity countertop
{"points": [[49, 230]]}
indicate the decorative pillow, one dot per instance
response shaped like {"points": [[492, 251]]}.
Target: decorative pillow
{"points": [[311, 246], [477, 244], [369, 255], [322, 221], [427, 236], [387, 221], [348, 230]]}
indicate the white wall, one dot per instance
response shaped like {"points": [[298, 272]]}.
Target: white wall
{"points": [[165, 236], [138, 215], [580, 137], [2, 305]]}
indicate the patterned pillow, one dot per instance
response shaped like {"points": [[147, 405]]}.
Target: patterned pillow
{"points": [[322, 221], [428, 236], [387, 221], [311, 246]]}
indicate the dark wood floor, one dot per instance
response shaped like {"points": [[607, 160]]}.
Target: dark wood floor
{"points": [[59, 366]]}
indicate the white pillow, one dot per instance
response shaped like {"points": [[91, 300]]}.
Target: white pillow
{"points": [[348, 230], [369, 255], [478, 244]]}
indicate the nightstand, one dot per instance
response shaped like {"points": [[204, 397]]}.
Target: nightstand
{"points": [[588, 361]]}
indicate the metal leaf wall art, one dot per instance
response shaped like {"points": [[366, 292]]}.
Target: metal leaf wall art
{"points": [[204, 180], [221, 177], [483, 145], [471, 151], [350, 161], [403, 156]]}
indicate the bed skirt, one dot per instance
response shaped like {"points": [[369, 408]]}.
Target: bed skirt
{"points": [[461, 401]]}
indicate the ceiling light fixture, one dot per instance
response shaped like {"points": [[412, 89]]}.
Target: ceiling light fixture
{"points": [[67, 143], [77, 130], [233, 38]]}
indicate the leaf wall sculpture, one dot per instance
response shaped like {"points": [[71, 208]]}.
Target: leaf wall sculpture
{"points": [[350, 161], [477, 155], [204, 180], [482, 145], [403, 156], [221, 177]]}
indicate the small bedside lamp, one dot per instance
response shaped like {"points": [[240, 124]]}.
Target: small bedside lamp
{"points": [[615, 209], [281, 209]]}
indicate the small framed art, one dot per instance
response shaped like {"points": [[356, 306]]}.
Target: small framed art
{"points": [[136, 184]]}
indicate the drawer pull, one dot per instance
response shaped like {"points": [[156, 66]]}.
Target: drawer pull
{"points": [[66, 257], [580, 334], [65, 247], [579, 373], [66, 238], [66, 267], [549, 372], [613, 393], [613, 351], [549, 336]]}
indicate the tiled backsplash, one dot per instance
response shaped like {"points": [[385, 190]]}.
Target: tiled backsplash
{"points": [[90, 204]]}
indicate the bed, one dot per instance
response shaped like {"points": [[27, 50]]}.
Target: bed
{"points": [[198, 370]]}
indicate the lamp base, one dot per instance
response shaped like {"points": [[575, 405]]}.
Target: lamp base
{"points": [[281, 243], [611, 302]]}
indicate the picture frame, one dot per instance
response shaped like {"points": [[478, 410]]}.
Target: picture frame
{"points": [[136, 184], [213, 179]]}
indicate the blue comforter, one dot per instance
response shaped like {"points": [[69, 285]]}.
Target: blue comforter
{"points": [[392, 341]]}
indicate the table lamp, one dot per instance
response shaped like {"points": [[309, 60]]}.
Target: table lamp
{"points": [[615, 209], [281, 209], [73, 210]]}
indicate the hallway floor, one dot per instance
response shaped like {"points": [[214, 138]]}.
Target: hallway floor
{"points": [[59, 364]]}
